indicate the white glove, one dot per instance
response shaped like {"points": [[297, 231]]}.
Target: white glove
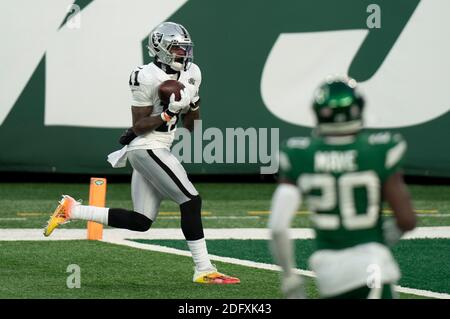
{"points": [[292, 287], [176, 106], [392, 234]]}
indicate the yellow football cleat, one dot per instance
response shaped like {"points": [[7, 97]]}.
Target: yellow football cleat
{"points": [[61, 215], [214, 277]]}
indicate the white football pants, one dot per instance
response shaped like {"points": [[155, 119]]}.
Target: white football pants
{"points": [[157, 175]]}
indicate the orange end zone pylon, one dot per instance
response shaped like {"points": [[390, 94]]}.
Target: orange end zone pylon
{"points": [[97, 197]]}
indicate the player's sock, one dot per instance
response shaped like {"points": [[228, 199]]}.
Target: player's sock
{"points": [[191, 220], [200, 254], [191, 225], [114, 217], [92, 213], [122, 218]]}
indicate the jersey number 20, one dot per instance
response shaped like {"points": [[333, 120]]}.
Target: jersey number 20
{"points": [[340, 192]]}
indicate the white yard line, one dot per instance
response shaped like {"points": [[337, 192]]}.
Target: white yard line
{"points": [[213, 217], [187, 253], [428, 232], [434, 215], [248, 263], [175, 233], [423, 293]]}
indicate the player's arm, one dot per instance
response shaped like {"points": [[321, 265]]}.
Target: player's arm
{"points": [[285, 202], [142, 101], [143, 122], [192, 115], [194, 107], [396, 194]]}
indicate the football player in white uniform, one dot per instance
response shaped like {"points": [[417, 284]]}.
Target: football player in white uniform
{"points": [[157, 173]]}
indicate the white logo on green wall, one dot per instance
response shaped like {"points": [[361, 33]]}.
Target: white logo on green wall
{"points": [[411, 86]]}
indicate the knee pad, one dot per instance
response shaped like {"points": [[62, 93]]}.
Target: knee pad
{"points": [[191, 220]]}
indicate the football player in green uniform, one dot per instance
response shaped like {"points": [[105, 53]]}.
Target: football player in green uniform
{"points": [[344, 174]]}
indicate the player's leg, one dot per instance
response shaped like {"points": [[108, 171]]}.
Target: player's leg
{"points": [[139, 220], [166, 173], [146, 201], [146, 198]]}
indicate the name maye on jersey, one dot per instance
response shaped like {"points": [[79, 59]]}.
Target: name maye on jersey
{"points": [[327, 161], [335, 161]]}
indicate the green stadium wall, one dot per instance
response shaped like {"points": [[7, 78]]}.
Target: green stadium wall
{"points": [[65, 98]]}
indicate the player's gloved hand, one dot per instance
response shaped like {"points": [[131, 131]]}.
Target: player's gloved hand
{"points": [[176, 106], [127, 136], [391, 232]]}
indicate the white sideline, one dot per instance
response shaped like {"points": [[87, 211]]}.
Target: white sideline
{"points": [[175, 233]]}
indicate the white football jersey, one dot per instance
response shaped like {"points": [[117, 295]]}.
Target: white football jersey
{"points": [[144, 82]]}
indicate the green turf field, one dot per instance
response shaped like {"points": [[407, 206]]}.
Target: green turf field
{"points": [[29, 205], [38, 269], [428, 257]]}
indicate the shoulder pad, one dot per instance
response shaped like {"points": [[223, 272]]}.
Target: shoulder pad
{"points": [[148, 74], [195, 74], [194, 68], [396, 151]]}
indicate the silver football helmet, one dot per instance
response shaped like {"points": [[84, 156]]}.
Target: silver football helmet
{"points": [[172, 45]]}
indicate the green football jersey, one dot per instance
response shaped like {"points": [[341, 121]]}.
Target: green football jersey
{"points": [[341, 180]]}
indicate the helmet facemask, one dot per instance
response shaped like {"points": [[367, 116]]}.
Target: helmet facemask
{"points": [[181, 56]]}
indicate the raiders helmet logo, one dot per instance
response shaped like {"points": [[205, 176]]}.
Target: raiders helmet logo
{"points": [[191, 81], [156, 39]]}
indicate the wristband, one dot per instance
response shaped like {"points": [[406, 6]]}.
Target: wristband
{"points": [[165, 117]]}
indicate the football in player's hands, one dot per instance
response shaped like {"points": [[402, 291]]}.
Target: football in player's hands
{"points": [[166, 89]]}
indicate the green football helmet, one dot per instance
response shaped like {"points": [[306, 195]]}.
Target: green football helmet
{"points": [[338, 107]]}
